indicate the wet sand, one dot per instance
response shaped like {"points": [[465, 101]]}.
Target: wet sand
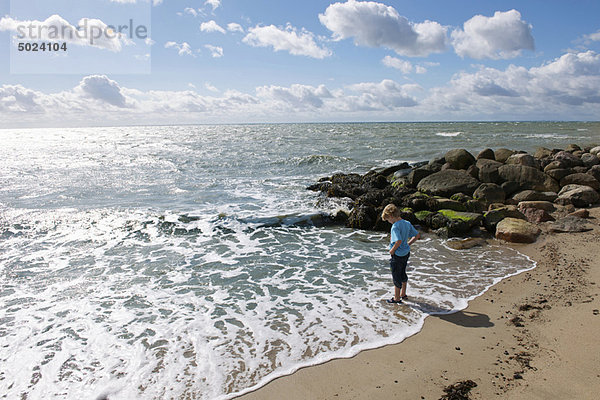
{"points": [[532, 336]]}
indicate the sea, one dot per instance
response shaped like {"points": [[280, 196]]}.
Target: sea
{"points": [[183, 262]]}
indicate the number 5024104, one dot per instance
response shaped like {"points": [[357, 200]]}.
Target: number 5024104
{"points": [[42, 46]]}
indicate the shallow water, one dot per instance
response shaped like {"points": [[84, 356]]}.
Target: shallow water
{"points": [[178, 262]]}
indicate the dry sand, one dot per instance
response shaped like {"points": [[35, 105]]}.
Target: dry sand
{"points": [[532, 336]]}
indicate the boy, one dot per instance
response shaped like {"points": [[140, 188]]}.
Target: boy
{"points": [[403, 234]]}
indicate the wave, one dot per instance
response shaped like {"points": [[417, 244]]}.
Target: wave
{"points": [[449, 134]]}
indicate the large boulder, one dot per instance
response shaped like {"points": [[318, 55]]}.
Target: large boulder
{"points": [[460, 223], [570, 223], [488, 170], [523, 159], [459, 158], [580, 179], [538, 205], [559, 173], [362, 217], [542, 152], [517, 231], [494, 216], [489, 193], [595, 150], [595, 172], [553, 165], [577, 195], [415, 176], [448, 182], [486, 154], [533, 195], [589, 160], [528, 178], [536, 216], [501, 155], [569, 160]]}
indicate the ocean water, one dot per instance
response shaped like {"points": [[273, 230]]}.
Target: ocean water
{"points": [[180, 262]]}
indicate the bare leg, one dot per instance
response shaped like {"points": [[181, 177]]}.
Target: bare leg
{"points": [[403, 292], [397, 292]]}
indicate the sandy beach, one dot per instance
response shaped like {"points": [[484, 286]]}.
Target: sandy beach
{"points": [[531, 336]]}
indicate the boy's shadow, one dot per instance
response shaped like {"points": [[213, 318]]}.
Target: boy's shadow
{"points": [[468, 319]]}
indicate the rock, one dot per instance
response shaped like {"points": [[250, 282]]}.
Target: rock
{"points": [[473, 171], [466, 243], [538, 205], [436, 221], [463, 198], [402, 172], [488, 170], [595, 150], [577, 195], [532, 195], [416, 175], [589, 160], [417, 201], [447, 182], [510, 187], [542, 152], [558, 174], [391, 170], [553, 165], [536, 216], [421, 216], [486, 154], [517, 231], [572, 148], [595, 172], [459, 158], [489, 193], [440, 203], [460, 223], [501, 155], [570, 224], [582, 213], [363, 217], [528, 177], [568, 159], [523, 159], [580, 179], [475, 206], [492, 217]]}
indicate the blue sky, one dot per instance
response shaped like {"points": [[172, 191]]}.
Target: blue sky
{"points": [[231, 61]]}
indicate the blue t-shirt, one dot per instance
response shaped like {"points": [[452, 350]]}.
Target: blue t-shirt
{"points": [[402, 230]]}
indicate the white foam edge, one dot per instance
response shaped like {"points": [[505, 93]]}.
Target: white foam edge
{"points": [[354, 350]]}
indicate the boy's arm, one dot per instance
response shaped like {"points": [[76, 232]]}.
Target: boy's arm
{"points": [[414, 239], [395, 247]]}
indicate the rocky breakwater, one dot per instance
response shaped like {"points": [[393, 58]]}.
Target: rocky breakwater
{"points": [[510, 194]]}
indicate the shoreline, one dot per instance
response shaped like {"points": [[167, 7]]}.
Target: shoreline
{"points": [[516, 340]]}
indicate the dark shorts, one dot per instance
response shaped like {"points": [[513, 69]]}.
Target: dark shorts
{"points": [[398, 267]]}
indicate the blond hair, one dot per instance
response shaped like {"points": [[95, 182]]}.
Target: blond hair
{"points": [[390, 211]]}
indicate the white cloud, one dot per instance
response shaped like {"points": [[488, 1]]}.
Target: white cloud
{"points": [[191, 11], [295, 96], [565, 88], [88, 32], [234, 27], [374, 24], [592, 37], [505, 35], [568, 87], [215, 51], [405, 66], [102, 89], [182, 48], [211, 26], [210, 87], [289, 39], [213, 3]]}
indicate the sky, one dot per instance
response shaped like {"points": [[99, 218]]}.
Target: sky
{"points": [[140, 62]]}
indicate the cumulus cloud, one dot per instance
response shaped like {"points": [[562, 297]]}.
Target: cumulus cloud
{"points": [[405, 66], [384, 95], [182, 48], [213, 3], [375, 24], [234, 27], [289, 39], [103, 89], [505, 35], [88, 32], [295, 96], [211, 26], [215, 51]]}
